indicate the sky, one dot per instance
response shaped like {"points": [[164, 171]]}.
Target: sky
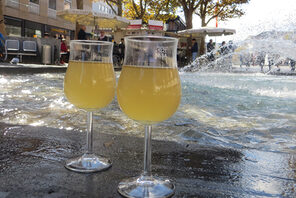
{"points": [[260, 15]]}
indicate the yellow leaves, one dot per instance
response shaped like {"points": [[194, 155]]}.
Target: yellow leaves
{"points": [[150, 9], [223, 9]]}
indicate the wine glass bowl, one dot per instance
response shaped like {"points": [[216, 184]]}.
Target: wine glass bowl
{"points": [[147, 94], [149, 91]]}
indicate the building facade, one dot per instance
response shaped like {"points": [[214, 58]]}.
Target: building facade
{"points": [[32, 18], [175, 25]]}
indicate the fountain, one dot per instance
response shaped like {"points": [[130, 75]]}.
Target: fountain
{"points": [[269, 48], [224, 109]]}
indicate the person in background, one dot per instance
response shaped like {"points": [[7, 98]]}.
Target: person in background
{"points": [[2, 46], [226, 56], [121, 50], [230, 46], [2, 40], [194, 49], [223, 47], [292, 64], [210, 46], [270, 60], [116, 54], [210, 49], [46, 35], [82, 34], [102, 36], [64, 52]]}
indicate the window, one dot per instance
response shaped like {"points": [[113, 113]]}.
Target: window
{"points": [[32, 28], [13, 30], [31, 32], [13, 26], [34, 1], [52, 4], [67, 4]]}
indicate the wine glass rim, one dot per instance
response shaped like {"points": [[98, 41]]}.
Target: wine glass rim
{"points": [[162, 39], [90, 42]]}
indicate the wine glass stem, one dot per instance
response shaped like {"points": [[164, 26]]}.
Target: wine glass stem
{"points": [[147, 151], [89, 136]]}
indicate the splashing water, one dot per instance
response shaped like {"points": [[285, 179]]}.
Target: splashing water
{"points": [[223, 109], [272, 48]]}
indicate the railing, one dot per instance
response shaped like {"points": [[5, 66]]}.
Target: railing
{"points": [[12, 3], [33, 8], [51, 13]]}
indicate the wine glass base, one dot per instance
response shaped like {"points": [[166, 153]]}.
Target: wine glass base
{"points": [[145, 186], [88, 163]]}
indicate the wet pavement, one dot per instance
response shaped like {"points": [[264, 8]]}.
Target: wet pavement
{"points": [[32, 159], [20, 68], [279, 71]]}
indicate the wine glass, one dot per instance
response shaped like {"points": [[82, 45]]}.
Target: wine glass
{"points": [[89, 85], [149, 91]]}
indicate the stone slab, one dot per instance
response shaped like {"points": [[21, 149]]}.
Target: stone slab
{"points": [[32, 165]]}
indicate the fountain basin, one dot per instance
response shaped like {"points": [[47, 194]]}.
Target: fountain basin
{"points": [[233, 135]]}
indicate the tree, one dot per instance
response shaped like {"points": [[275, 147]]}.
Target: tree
{"points": [[189, 6], [2, 25], [163, 9], [136, 11], [150, 9], [223, 9], [118, 3]]}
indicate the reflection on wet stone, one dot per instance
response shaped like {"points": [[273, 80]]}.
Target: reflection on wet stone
{"points": [[37, 154]]}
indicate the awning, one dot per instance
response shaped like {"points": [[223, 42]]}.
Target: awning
{"points": [[210, 31], [91, 18]]}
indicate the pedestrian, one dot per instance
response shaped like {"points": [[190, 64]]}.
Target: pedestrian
{"points": [[226, 57], [230, 46], [121, 50], [210, 46], [82, 34], [270, 61], [292, 63], [46, 35], [223, 49], [102, 36], [194, 49], [64, 52], [210, 49], [2, 40], [2, 47]]}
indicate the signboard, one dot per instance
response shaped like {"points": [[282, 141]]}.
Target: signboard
{"points": [[135, 24], [155, 25]]}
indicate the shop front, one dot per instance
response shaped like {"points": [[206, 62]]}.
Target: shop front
{"points": [[57, 32], [13, 26], [23, 28], [33, 29]]}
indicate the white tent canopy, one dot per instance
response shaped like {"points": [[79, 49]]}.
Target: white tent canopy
{"points": [[210, 31], [91, 18]]}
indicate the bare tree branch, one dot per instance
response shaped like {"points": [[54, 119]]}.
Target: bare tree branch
{"points": [[110, 5]]}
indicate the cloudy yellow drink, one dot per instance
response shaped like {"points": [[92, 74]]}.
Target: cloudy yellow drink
{"points": [[149, 94], [89, 85]]}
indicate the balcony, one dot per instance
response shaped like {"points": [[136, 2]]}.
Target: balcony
{"points": [[12, 3], [33, 8], [51, 13]]}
